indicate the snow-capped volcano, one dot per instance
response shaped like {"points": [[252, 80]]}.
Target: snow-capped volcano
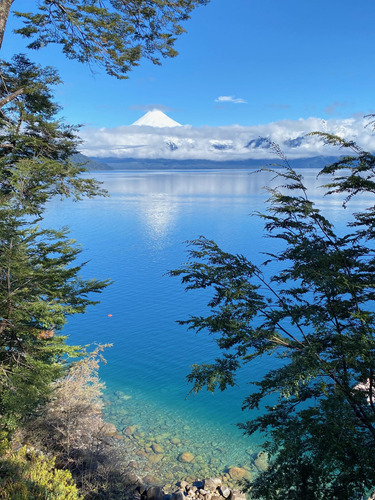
{"points": [[156, 118], [156, 136]]}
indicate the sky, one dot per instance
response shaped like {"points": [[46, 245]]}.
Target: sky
{"points": [[242, 63]]}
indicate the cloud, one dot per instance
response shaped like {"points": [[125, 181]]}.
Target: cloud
{"points": [[230, 98], [225, 143]]}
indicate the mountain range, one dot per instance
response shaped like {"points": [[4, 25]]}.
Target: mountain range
{"points": [[157, 141]]}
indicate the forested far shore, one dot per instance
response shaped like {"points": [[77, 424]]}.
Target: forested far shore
{"points": [[108, 163]]}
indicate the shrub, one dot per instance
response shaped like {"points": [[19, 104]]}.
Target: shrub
{"points": [[27, 475], [71, 424]]}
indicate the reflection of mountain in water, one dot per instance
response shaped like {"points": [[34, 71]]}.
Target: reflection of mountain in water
{"points": [[168, 185], [160, 195], [162, 190]]}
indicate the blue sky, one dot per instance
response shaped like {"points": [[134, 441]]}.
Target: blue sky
{"points": [[286, 60]]}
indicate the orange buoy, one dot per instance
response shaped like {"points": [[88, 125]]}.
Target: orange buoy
{"points": [[109, 315]]}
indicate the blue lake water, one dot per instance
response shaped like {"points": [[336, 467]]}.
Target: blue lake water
{"points": [[134, 237]]}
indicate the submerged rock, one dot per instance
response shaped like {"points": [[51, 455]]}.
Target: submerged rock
{"points": [[109, 429], [237, 473], [186, 457], [130, 430], [155, 458], [151, 480], [157, 448], [261, 462]]}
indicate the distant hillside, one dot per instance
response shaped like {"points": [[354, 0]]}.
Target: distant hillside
{"points": [[91, 164], [164, 164]]}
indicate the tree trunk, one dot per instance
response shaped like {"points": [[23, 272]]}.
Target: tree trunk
{"points": [[4, 14]]}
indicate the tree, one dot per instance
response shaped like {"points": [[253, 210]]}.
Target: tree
{"points": [[39, 273], [36, 149], [313, 322], [114, 33]]}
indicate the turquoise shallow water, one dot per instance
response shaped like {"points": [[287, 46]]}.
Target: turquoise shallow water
{"points": [[134, 237]]}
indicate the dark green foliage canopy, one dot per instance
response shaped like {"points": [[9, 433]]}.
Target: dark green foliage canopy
{"points": [[313, 323], [39, 271], [114, 33], [35, 147]]}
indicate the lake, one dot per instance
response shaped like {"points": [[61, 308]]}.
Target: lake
{"points": [[134, 237]]}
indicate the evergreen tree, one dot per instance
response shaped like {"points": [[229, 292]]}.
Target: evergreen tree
{"points": [[313, 322], [39, 274], [114, 33], [36, 148]]}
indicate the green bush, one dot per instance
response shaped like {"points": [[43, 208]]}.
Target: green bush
{"points": [[26, 475]]}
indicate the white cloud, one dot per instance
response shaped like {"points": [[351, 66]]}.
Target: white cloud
{"points": [[230, 98], [225, 143]]}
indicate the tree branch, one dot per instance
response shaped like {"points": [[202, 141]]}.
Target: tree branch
{"points": [[11, 97]]}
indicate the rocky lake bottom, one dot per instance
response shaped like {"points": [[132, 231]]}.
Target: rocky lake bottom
{"points": [[163, 448]]}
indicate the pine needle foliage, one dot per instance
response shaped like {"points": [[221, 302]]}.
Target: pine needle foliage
{"points": [[40, 283], [313, 324], [35, 147]]}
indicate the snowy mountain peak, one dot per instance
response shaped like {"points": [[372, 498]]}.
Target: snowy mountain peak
{"points": [[156, 118]]}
